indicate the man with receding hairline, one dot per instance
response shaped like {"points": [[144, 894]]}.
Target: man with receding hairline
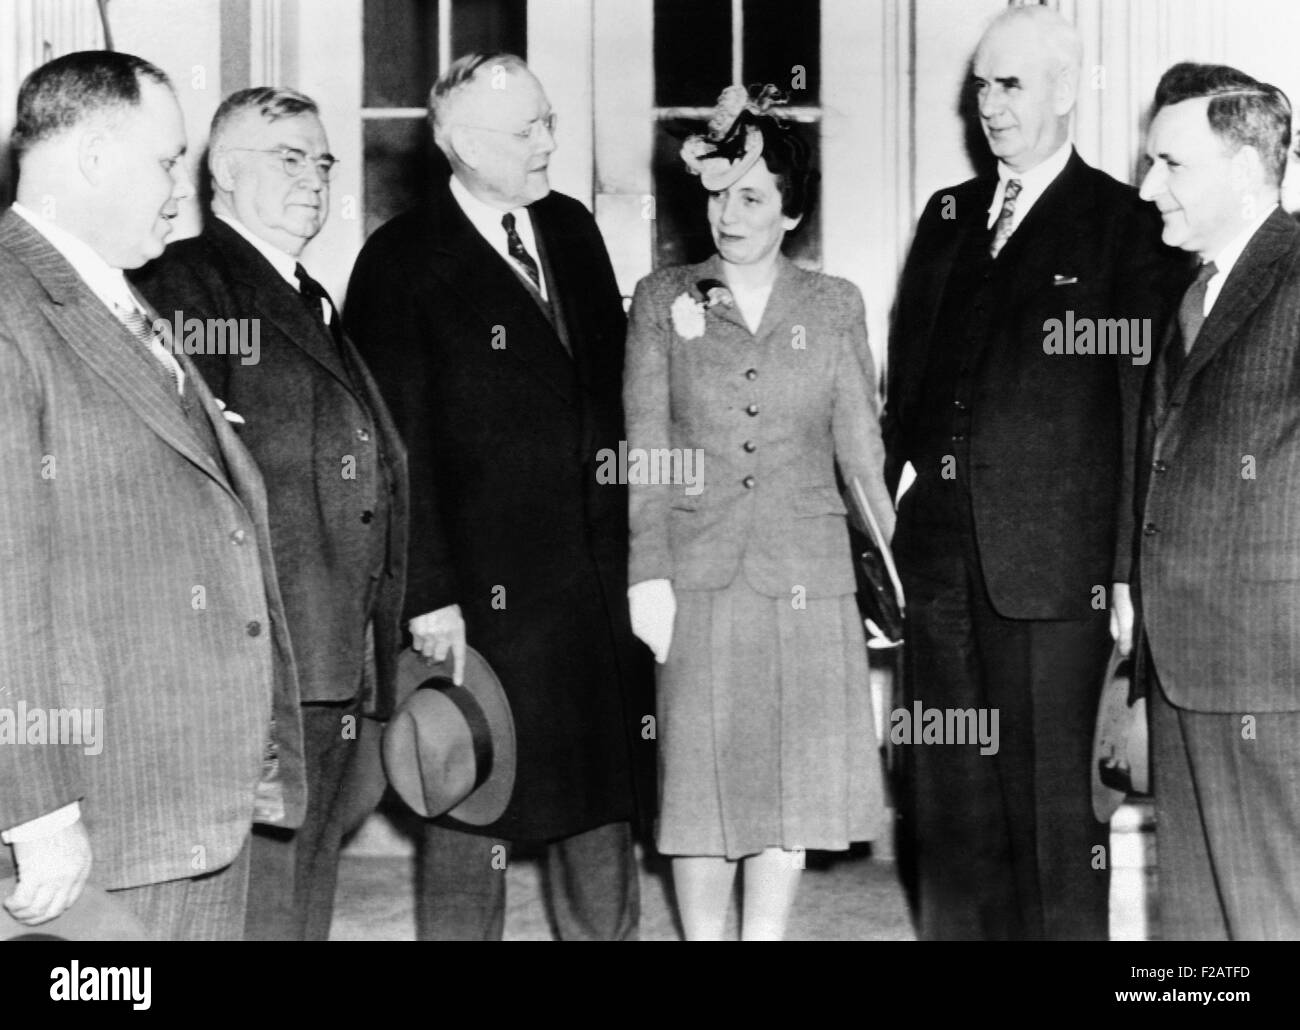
{"points": [[334, 464], [1006, 540], [134, 544], [494, 327], [1217, 546]]}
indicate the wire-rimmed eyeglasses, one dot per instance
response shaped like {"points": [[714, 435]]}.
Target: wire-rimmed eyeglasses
{"points": [[529, 134], [295, 161]]}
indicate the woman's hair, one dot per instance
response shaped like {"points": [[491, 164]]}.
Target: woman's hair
{"points": [[789, 158]]}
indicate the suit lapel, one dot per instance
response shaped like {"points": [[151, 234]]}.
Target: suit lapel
{"points": [[263, 289], [95, 335], [469, 265], [1250, 281]]}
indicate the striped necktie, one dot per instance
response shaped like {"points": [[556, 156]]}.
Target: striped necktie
{"points": [[137, 324], [1002, 228], [519, 252]]}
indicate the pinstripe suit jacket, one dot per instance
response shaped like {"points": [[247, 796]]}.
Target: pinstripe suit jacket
{"points": [[772, 414], [137, 580], [1218, 489]]}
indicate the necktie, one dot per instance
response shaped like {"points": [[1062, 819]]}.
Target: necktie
{"points": [[137, 324], [1002, 228], [519, 252], [317, 301], [1191, 312]]}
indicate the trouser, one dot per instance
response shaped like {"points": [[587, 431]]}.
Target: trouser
{"points": [[591, 881], [1004, 844], [1227, 791], [294, 873]]}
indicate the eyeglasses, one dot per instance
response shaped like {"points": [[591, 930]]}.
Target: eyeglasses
{"points": [[295, 161], [529, 134]]}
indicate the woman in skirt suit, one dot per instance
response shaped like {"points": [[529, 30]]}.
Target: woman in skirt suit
{"points": [[748, 380]]}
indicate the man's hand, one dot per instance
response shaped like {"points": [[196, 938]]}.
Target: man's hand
{"points": [[51, 873], [653, 608], [1121, 617], [435, 633]]}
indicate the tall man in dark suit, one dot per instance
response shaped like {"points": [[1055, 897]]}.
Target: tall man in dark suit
{"points": [[335, 466], [137, 592], [1017, 428], [1218, 543], [493, 324]]}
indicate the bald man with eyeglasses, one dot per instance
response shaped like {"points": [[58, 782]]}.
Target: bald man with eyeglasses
{"points": [[334, 465]]}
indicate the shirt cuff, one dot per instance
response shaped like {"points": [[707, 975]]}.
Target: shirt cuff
{"points": [[43, 825]]}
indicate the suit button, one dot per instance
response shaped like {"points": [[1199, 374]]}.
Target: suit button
{"points": [[958, 437], [238, 537], [1159, 466], [363, 435], [748, 482], [367, 516], [749, 446], [752, 374], [254, 628], [752, 410], [1150, 529], [961, 405]]}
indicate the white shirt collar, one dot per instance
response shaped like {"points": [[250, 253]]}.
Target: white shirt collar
{"points": [[1033, 184], [105, 282], [487, 220], [284, 263], [1229, 256]]}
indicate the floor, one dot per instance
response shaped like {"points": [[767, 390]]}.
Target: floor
{"points": [[842, 897]]}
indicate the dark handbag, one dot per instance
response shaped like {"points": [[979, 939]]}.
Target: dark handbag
{"points": [[880, 594]]}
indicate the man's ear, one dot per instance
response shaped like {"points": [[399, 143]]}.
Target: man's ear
{"points": [[1065, 91], [1247, 169], [222, 167], [93, 155], [464, 145]]}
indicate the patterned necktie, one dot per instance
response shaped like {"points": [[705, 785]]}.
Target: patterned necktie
{"points": [[317, 300], [1002, 228], [137, 324], [1191, 312], [520, 253]]}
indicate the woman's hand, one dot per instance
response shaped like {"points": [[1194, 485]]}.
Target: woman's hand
{"points": [[653, 607]]}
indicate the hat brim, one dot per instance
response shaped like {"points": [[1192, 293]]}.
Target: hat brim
{"points": [[94, 916], [488, 801], [1120, 736], [718, 174]]}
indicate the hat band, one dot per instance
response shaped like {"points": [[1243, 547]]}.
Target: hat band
{"points": [[479, 731]]}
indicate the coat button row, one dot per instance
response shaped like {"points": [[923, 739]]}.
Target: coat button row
{"points": [[748, 482]]}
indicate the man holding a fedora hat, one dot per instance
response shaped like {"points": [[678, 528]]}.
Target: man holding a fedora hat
{"points": [[492, 322]]}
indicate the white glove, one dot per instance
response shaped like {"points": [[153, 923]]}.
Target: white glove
{"points": [[653, 607]]}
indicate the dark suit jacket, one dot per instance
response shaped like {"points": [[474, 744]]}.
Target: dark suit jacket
{"points": [[138, 581], [1218, 494], [319, 429], [1052, 436], [508, 518]]}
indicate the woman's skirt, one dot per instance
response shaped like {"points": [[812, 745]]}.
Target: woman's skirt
{"points": [[765, 726]]}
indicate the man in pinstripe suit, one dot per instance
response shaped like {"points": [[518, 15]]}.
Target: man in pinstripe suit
{"points": [[1217, 580], [136, 581]]}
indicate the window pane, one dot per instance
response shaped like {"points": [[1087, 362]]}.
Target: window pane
{"points": [[781, 39], [401, 164], [681, 227], [692, 51], [487, 25], [400, 39]]}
